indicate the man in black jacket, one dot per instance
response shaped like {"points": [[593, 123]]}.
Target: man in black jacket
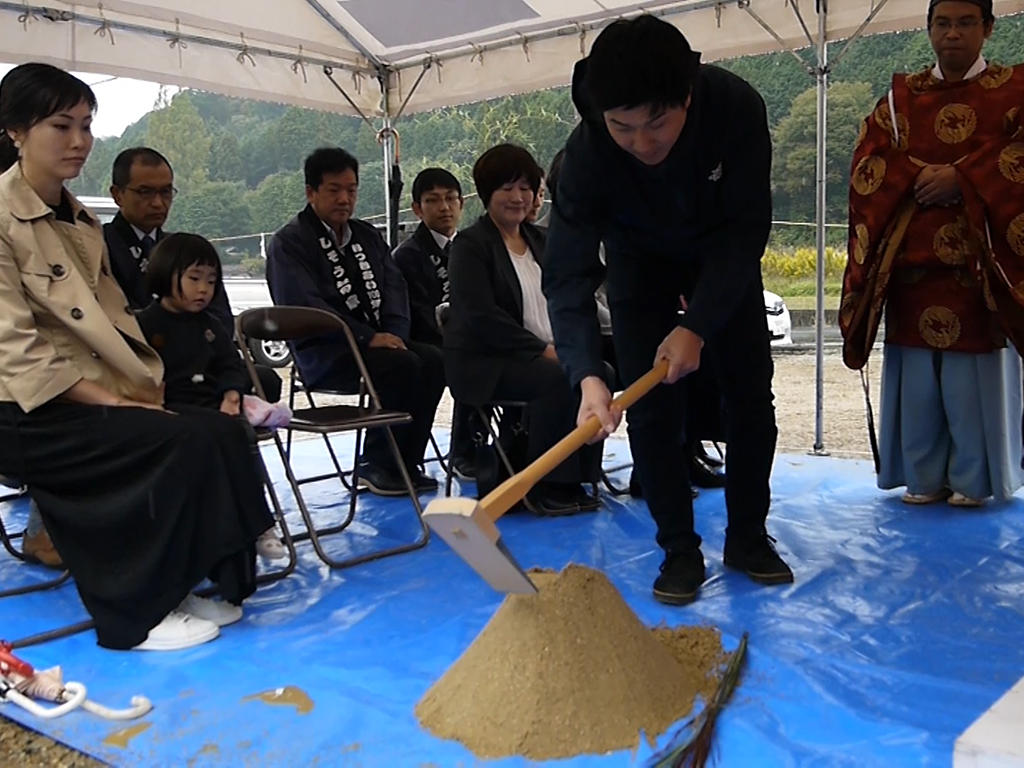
{"points": [[142, 185], [325, 259], [423, 260], [670, 168]]}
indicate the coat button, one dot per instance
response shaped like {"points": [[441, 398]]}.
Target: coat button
{"points": [[77, 314], [58, 270], [95, 355]]}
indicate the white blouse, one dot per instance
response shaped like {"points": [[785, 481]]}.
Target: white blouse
{"points": [[535, 306]]}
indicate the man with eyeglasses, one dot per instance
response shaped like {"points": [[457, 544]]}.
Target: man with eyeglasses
{"points": [[937, 238], [423, 260], [142, 185]]}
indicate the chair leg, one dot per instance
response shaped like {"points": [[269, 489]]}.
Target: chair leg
{"points": [[293, 559], [449, 471], [314, 535], [8, 543], [495, 436]]}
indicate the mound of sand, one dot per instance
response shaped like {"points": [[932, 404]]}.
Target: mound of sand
{"points": [[569, 671]]}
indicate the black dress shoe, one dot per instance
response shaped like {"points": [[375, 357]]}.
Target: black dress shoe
{"points": [[550, 503], [464, 467], [703, 476], [423, 483], [757, 558], [682, 574], [383, 482]]}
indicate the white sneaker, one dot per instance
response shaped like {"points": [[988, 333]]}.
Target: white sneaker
{"points": [[268, 545], [213, 611], [178, 631]]}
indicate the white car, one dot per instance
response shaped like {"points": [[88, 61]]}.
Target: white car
{"points": [[780, 324], [252, 293]]}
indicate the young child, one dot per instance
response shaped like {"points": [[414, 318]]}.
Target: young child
{"points": [[202, 367]]}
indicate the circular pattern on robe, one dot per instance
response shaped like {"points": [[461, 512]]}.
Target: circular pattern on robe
{"points": [[922, 81], [847, 308], [1015, 235], [861, 243], [868, 175], [903, 131], [861, 134], [939, 327], [883, 116], [1011, 162], [955, 123], [950, 242], [994, 76], [990, 300]]}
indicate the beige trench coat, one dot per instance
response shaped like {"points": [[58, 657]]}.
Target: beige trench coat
{"points": [[63, 317]]}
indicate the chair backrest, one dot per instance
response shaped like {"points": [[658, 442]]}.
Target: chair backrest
{"points": [[287, 323], [283, 323]]}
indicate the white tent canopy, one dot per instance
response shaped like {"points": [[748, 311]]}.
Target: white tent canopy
{"points": [[457, 50]]}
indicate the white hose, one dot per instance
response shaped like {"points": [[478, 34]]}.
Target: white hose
{"points": [[77, 698], [140, 706]]}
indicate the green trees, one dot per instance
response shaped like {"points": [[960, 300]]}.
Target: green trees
{"points": [[239, 163]]}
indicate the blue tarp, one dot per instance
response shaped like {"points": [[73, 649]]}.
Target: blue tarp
{"points": [[903, 626]]}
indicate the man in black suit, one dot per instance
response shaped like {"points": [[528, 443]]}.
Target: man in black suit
{"points": [[423, 260], [142, 185]]}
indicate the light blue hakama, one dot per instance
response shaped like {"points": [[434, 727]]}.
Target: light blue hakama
{"points": [[951, 419]]}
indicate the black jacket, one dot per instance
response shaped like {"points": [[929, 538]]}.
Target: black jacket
{"points": [[486, 324], [298, 274], [121, 238], [201, 363], [708, 205], [426, 288]]}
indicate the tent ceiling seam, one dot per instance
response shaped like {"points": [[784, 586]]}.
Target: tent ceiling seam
{"points": [[30, 13]]}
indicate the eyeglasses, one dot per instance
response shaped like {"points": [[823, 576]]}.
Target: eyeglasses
{"points": [[148, 194], [961, 25]]}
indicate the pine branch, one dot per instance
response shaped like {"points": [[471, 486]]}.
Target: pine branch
{"points": [[695, 752]]}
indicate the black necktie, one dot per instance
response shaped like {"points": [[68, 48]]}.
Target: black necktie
{"points": [[447, 248], [148, 243]]}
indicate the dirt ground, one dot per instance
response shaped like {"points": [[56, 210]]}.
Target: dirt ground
{"points": [[844, 434]]}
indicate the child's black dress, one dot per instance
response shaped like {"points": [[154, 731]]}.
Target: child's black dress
{"points": [[201, 363]]}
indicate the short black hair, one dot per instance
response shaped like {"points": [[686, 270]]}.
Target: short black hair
{"points": [[640, 61], [504, 164], [328, 160], [553, 173], [121, 176], [29, 94], [433, 178], [985, 6], [175, 254]]}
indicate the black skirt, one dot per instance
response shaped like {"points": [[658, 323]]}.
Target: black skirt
{"points": [[141, 504]]}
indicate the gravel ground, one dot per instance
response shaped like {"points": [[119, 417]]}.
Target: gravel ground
{"points": [[844, 434]]}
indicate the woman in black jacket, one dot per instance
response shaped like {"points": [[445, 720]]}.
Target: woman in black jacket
{"points": [[498, 342]]}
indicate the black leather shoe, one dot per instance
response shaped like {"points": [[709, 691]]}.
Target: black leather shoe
{"points": [[682, 574], [549, 504], [382, 482], [703, 476], [758, 559], [464, 468], [423, 483]]}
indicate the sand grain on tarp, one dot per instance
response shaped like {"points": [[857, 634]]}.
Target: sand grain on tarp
{"points": [[568, 671]]}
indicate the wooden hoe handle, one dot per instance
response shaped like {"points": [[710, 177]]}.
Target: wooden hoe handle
{"points": [[511, 492]]}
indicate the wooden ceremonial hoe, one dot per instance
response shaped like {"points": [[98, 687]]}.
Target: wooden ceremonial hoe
{"points": [[469, 526]]}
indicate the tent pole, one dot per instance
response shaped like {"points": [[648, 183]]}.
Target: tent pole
{"points": [[387, 143], [821, 174]]}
